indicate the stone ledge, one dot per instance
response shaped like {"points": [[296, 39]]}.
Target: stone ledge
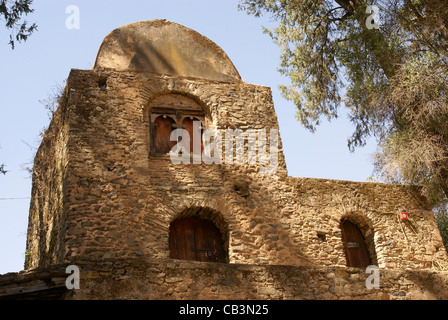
{"points": [[145, 278]]}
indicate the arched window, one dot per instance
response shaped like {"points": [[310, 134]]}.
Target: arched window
{"points": [[169, 112], [355, 246], [193, 238], [163, 126]]}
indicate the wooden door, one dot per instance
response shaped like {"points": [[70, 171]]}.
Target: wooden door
{"points": [[193, 127], [196, 239], [354, 245], [163, 126]]}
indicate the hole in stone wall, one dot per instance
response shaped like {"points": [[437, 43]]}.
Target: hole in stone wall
{"points": [[242, 188], [102, 83], [321, 236]]}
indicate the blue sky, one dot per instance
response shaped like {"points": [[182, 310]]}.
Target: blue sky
{"points": [[29, 72]]}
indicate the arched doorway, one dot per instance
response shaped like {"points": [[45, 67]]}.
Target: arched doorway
{"points": [[193, 238], [355, 247]]}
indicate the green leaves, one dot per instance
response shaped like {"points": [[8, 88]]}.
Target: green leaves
{"points": [[304, 35], [12, 13], [392, 80], [417, 141]]}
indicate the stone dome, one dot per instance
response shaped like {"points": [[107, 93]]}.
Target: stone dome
{"points": [[164, 47]]}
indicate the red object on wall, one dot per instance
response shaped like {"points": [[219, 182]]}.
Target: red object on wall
{"points": [[403, 215]]}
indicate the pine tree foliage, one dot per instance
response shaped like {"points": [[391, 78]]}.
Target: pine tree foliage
{"points": [[12, 13], [392, 79]]}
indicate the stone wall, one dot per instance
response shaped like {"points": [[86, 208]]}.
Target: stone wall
{"points": [[46, 223], [166, 279], [104, 200], [113, 199], [175, 279], [315, 208]]}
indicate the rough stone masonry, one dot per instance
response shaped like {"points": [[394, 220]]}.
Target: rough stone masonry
{"points": [[105, 198]]}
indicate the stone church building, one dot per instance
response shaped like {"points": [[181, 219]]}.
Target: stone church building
{"points": [[109, 198]]}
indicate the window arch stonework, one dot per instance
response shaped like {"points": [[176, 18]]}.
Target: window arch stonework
{"points": [[185, 113]]}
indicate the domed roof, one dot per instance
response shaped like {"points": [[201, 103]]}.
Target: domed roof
{"points": [[164, 47]]}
